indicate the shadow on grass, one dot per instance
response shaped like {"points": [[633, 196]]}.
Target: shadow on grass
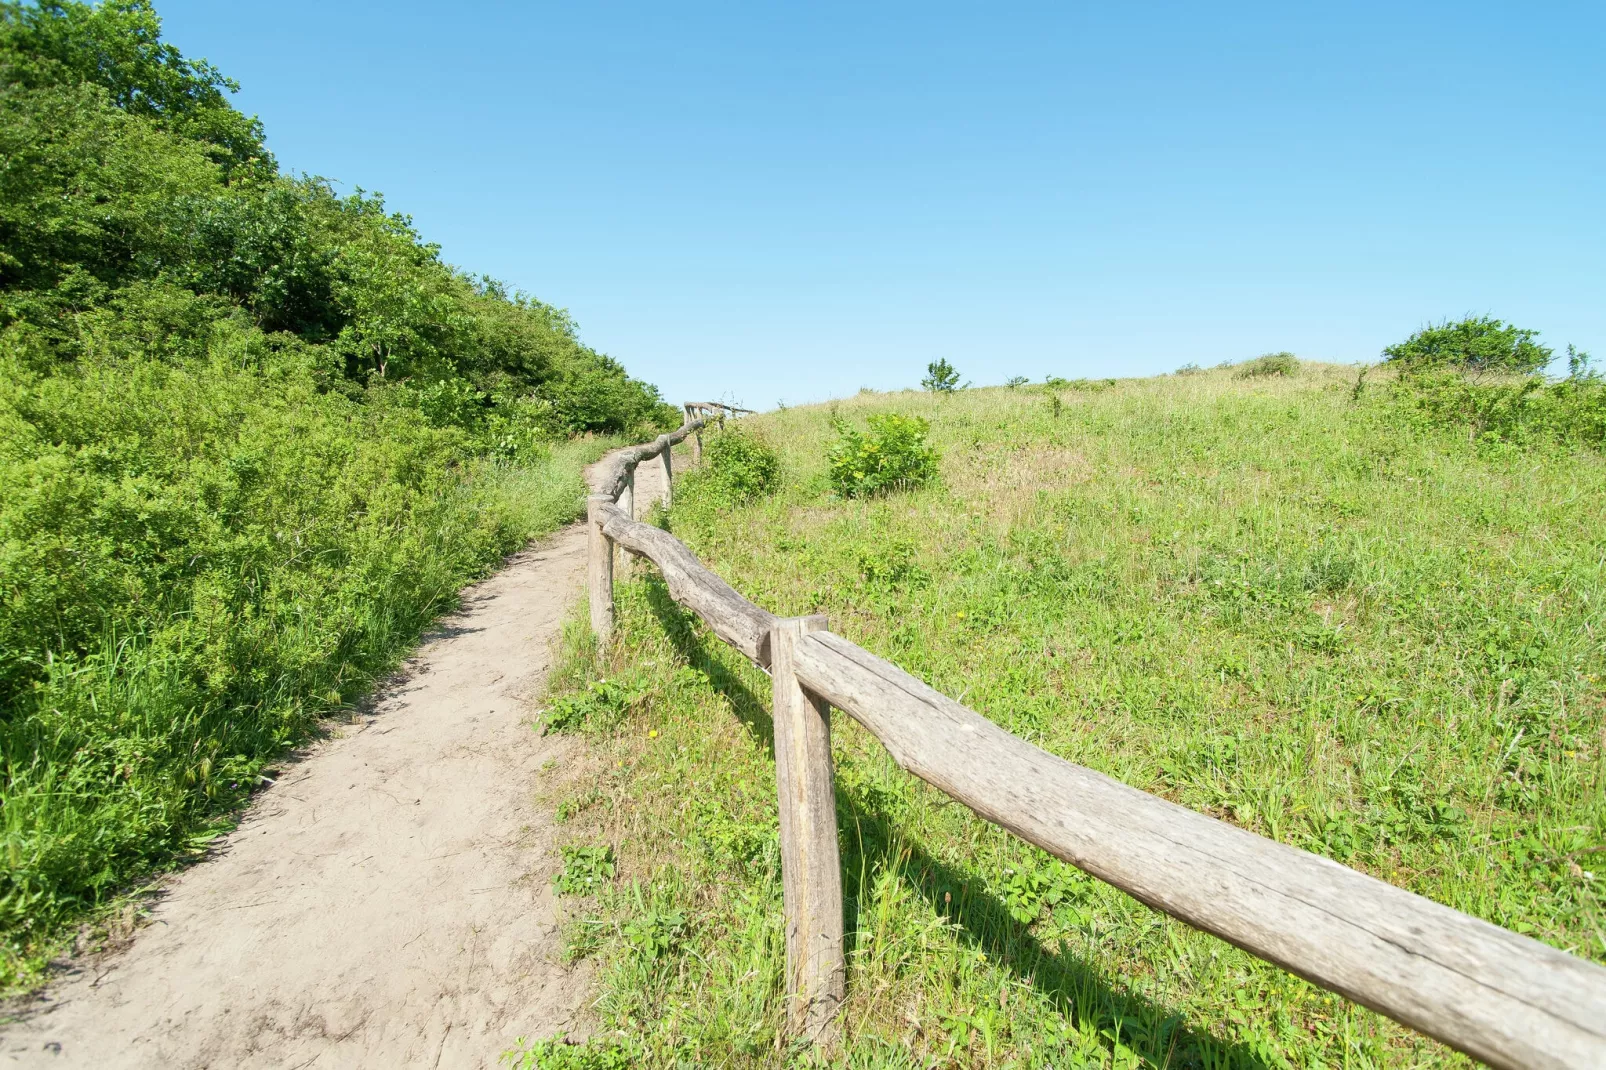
{"points": [[678, 625], [1075, 988]]}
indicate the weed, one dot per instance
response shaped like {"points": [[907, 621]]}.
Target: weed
{"points": [[585, 869], [597, 708]]}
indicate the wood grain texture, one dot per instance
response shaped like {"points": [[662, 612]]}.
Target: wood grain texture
{"points": [[731, 617], [1498, 996], [667, 455], [811, 865], [599, 568]]}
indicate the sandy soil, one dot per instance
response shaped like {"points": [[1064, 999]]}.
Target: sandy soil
{"points": [[387, 902]]}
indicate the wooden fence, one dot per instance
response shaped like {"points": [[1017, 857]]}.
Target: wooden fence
{"points": [[1498, 996]]}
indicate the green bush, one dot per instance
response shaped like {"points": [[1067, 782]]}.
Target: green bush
{"points": [[1267, 365], [1475, 345], [741, 464], [892, 455], [1517, 411]]}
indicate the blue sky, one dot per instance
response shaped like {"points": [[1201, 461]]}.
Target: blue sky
{"points": [[768, 202]]}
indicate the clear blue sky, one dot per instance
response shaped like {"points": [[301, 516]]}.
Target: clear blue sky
{"points": [[766, 202]]}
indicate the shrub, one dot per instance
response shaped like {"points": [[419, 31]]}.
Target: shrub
{"points": [[1267, 365], [742, 464], [1015, 381], [1520, 411], [941, 377], [1476, 345], [1189, 369], [892, 455]]}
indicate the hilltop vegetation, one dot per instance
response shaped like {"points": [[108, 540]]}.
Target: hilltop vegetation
{"points": [[1293, 603], [254, 434]]}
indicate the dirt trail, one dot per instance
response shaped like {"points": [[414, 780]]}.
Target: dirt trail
{"points": [[387, 902]]}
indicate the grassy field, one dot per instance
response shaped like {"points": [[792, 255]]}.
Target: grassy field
{"points": [[1261, 598]]}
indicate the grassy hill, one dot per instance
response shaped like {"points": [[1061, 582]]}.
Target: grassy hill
{"points": [[1313, 614]]}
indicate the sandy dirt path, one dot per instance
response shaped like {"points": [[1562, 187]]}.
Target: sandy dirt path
{"points": [[387, 902]]}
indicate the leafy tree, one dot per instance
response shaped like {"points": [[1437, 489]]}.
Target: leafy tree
{"points": [[941, 377], [117, 45], [1476, 345]]}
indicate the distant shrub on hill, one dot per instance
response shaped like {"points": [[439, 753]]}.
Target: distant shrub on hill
{"points": [[892, 455], [1267, 365], [1475, 345], [741, 463], [1511, 410], [1485, 375]]}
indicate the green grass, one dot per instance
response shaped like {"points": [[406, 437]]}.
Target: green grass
{"points": [[1258, 598], [128, 759]]}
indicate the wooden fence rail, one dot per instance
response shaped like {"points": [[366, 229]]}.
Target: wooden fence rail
{"points": [[1503, 998]]}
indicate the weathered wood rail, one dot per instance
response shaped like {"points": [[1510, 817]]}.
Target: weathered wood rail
{"points": [[1503, 998]]}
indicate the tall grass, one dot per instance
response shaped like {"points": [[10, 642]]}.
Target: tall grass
{"points": [[1310, 616], [127, 757]]}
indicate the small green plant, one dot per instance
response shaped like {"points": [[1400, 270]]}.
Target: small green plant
{"points": [[941, 377], [1056, 382], [655, 925], [742, 464], [596, 1053], [891, 563], [1016, 381], [1268, 365], [598, 707], [586, 869], [1055, 406], [1189, 369], [892, 455]]}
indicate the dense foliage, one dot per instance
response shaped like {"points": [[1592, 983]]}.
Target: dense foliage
{"points": [[739, 463], [892, 455], [1486, 376], [251, 435], [1475, 344], [1326, 621]]}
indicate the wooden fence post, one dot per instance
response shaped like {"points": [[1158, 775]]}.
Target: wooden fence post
{"points": [[599, 568], [811, 866], [627, 497], [627, 505], [669, 469]]}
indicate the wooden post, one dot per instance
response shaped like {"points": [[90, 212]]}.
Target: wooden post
{"points": [[627, 505], [599, 569], [669, 469], [811, 866], [627, 497]]}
